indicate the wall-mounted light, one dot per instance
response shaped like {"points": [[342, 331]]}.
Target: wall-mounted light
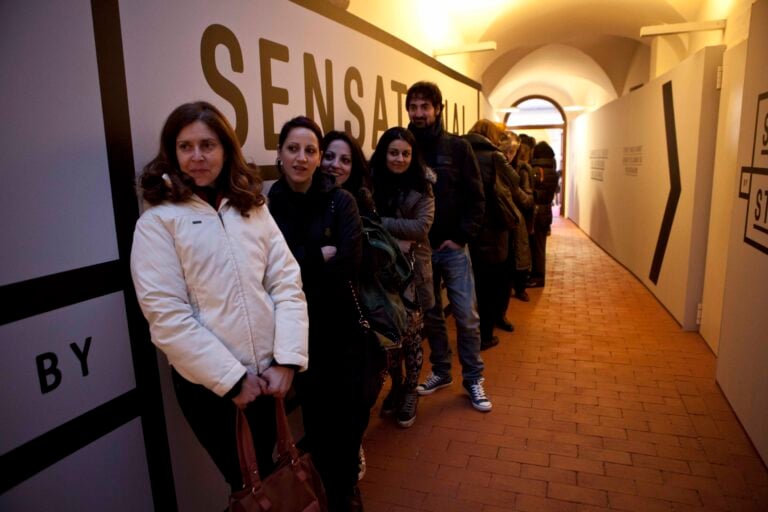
{"points": [[681, 28], [483, 46]]}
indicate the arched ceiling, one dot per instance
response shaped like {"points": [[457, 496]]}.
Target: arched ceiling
{"points": [[604, 34]]}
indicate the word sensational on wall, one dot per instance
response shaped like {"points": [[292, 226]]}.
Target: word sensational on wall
{"points": [[317, 92]]}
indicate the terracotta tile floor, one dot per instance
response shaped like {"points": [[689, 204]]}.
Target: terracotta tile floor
{"points": [[600, 401]]}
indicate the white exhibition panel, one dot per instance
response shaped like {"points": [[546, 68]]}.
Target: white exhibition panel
{"points": [[56, 198], [162, 46], [43, 394], [724, 193], [743, 355], [162, 49], [108, 474], [619, 180]]}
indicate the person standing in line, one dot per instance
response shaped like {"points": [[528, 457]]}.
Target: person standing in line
{"points": [[459, 207], [522, 163], [343, 159], [218, 285], [490, 248], [322, 226], [406, 204], [544, 186], [519, 263]]}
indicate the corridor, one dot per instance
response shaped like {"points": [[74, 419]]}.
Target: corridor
{"points": [[601, 402]]}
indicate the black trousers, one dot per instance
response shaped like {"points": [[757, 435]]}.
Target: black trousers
{"points": [[492, 291], [212, 419], [336, 394], [538, 241]]}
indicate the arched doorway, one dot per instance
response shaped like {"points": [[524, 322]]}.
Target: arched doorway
{"points": [[543, 119]]}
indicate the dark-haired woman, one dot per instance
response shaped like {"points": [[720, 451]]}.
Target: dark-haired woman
{"points": [[344, 160], [218, 285], [322, 226], [406, 204]]}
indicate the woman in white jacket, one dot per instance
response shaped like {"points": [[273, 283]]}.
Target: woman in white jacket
{"points": [[218, 285]]}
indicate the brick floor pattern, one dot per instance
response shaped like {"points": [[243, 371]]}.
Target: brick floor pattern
{"points": [[600, 402]]}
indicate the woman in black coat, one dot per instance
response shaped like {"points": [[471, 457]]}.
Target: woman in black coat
{"points": [[322, 226]]}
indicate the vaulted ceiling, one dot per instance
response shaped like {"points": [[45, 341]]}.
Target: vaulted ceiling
{"points": [[576, 51]]}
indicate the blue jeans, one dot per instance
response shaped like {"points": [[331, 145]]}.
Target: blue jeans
{"points": [[455, 269]]}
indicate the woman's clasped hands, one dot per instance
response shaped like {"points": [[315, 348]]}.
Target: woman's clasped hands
{"points": [[275, 380]]}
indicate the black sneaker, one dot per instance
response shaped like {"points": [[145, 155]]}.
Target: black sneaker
{"points": [[433, 383], [354, 502], [485, 345], [505, 325], [477, 396], [391, 402], [407, 414]]}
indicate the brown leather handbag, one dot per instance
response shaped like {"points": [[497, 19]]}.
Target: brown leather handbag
{"points": [[294, 486]]}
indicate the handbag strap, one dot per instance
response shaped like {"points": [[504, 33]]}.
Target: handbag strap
{"points": [[249, 469], [246, 452], [362, 320]]}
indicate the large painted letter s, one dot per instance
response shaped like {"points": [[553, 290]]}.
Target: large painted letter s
{"points": [[213, 36]]}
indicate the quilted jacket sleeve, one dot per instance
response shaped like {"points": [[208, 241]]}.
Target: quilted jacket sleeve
{"points": [[162, 293]]}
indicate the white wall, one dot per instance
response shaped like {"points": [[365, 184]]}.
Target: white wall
{"points": [[724, 192], [62, 217], [163, 71], [618, 179], [743, 354], [64, 357]]}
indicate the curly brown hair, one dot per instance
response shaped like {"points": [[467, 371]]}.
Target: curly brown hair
{"points": [[489, 130], [162, 179]]}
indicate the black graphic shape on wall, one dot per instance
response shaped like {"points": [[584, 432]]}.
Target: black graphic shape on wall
{"points": [[675, 187]]}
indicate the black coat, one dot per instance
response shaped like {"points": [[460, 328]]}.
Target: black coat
{"points": [[492, 241], [544, 189], [323, 216], [459, 198]]}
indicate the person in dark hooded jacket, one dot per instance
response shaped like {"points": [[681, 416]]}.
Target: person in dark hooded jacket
{"points": [[544, 187]]}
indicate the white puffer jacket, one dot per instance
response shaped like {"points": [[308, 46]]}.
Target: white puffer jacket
{"points": [[222, 293]]}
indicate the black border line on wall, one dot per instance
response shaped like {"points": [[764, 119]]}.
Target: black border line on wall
{"points": [[32, 457], [39, 295], [746, 239], [117, 131], [675, 187]]}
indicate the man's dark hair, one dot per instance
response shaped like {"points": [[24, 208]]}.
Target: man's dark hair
{"points": [[425, 90]]}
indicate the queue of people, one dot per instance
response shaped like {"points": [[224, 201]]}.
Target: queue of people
{"points": [[250, 296]]}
